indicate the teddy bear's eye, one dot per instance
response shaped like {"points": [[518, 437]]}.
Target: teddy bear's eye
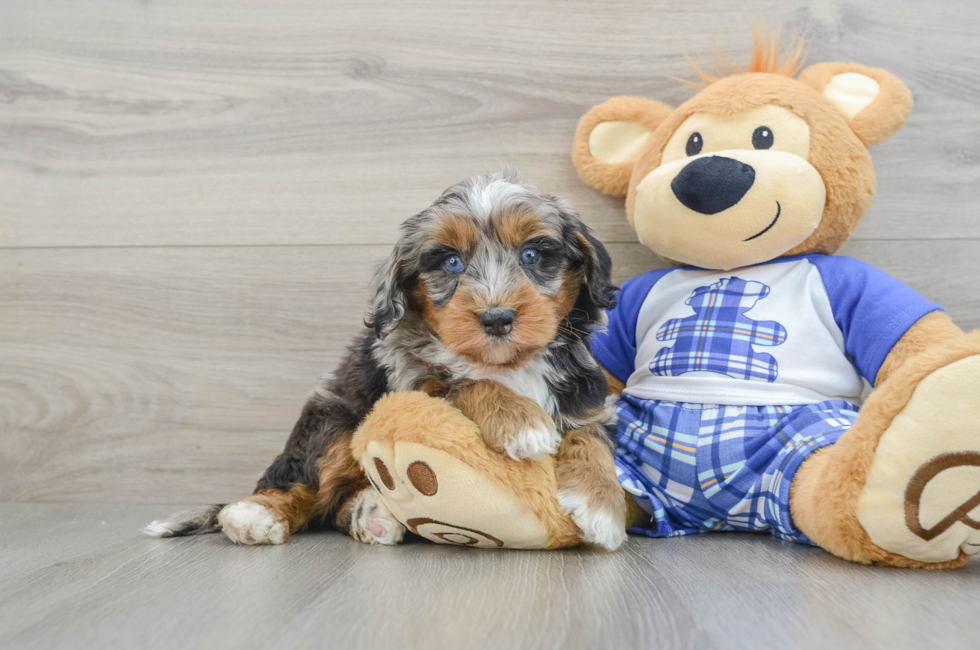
{"points": [[762, 138], [694, 144]]}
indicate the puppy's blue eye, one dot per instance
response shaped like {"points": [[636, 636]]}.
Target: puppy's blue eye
{"points": [[530, 256], [453, 264]]}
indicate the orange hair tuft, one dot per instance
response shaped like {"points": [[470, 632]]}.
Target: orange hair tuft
{"points": [[765, 58]]}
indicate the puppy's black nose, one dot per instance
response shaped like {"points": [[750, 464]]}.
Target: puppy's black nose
{"points": [[711, 184], [497, 322]]}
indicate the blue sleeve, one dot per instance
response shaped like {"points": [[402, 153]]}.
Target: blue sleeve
{"points": [[615, 346], [872, 309]]}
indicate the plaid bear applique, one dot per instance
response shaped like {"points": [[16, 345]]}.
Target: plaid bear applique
{"points": [[719, 336]]}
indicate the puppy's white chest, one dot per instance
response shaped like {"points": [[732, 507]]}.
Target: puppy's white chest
{"points": [[529, 382]]}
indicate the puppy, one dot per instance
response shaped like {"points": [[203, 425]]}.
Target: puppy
{"points": [[487, 299]]}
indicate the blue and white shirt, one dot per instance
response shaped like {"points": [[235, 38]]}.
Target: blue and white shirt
{"points": [[796, 330]]}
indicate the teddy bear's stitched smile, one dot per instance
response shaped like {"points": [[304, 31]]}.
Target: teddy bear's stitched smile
{"points": [[779, 211]]}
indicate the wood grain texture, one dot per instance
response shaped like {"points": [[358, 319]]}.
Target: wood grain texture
{"points": [[306, 122], [193, 193], [174, 374], [192, 196], [80, 576]]}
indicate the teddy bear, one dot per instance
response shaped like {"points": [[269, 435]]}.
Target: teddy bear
{"points": [[736, 373]]}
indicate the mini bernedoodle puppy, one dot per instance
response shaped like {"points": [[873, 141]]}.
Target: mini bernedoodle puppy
{"points": [[487, 299]]}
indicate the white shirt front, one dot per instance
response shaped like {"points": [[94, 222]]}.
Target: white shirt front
{"points": [[810, 363]]}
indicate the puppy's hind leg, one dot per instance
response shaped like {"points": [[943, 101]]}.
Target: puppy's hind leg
{"points": [[271, 515], [348, 500], [268, 516], [588, 489], [314, 475], [367, 519]]}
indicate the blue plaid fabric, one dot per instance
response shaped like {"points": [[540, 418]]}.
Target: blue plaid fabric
{"points": [[697, 468], [719, 336]]}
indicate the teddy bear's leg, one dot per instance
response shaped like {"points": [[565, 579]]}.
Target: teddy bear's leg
{"points": [[902, 487], [433, 471]]}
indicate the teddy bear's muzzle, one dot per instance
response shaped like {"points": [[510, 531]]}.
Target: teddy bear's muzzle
{"points": [[712, 184]]}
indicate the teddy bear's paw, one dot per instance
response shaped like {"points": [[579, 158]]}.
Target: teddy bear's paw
{"points": [[372, 522], [921, 499], [246, 522], [599, 525], [534, 439]]}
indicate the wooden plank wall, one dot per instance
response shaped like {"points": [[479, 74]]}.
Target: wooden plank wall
{"points": [[193, 193]]}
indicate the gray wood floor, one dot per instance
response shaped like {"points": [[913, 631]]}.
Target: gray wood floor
{"points": [[79, 576], [192, 195]]}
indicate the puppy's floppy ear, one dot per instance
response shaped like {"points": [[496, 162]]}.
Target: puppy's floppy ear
{"points": [[609, 139], [875, 103], [388, 294], [597, 286]]}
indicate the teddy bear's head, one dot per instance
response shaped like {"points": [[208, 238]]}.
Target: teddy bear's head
{"points": [[757, 165]]}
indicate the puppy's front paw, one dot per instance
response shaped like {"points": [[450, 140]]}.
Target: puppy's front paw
{"points": [[246, 522], [598, 525], [532, 439], [372, 523], [510, 424]]}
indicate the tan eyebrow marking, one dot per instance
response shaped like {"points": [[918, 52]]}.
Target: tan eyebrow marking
{"points": [[515, 228]]}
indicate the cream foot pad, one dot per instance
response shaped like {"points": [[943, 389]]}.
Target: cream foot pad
{"points": [[447, 501], [436, 475], [922, 496]]}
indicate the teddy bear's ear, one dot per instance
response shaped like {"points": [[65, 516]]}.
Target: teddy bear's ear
{"points": [[610, 138], [876, 103]]}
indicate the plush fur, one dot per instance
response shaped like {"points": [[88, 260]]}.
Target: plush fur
{"points": [[825, 492], [766, 57], [931, 329], [837, 152], [880, 120], [396, 418], [846, 108], [526, 384], [613, 178]]}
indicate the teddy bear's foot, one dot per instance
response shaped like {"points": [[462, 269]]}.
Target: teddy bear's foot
{"points": [[429, 464], [372, 522], [921, 499], [902, 487]]}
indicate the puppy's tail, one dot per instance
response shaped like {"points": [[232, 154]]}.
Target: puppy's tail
{"points": [[186, 522]]}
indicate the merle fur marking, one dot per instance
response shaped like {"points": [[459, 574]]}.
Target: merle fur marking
{"points": [[398, 350]]}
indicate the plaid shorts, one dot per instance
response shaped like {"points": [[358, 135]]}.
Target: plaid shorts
{"points": [[702, 467]]}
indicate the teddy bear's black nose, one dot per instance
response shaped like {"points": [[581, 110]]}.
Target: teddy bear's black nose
{"points": [[711, 184]]}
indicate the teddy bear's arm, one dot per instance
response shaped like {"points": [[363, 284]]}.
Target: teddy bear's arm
{"points": [[932, 328]]}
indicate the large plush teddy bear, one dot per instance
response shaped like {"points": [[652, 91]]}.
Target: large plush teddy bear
{"points": [[740, 368]]}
